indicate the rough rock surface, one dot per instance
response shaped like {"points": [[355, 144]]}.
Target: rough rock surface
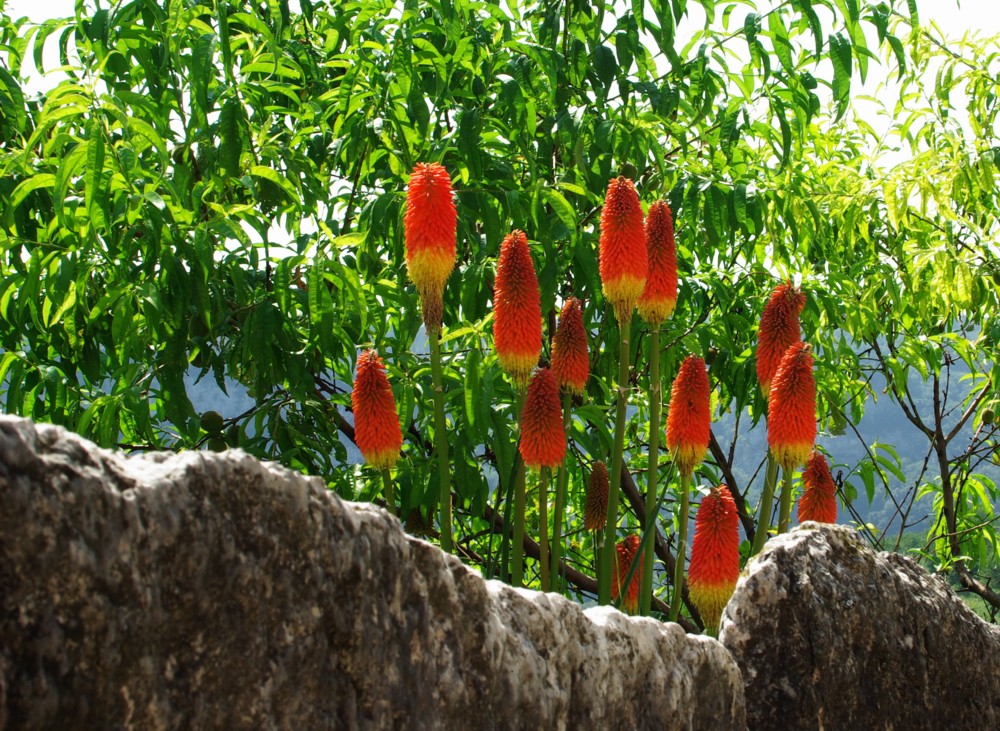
{"points": [[832, 635], [215, 591]]}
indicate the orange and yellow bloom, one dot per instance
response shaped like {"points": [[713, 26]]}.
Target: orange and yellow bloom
{"points": [[595, 511], [543, 441], [659, 298], [517, 309], [819, 500], [791, 410], [570, 362], [779, 329], [625, 552], [689, 420], [376, 423], [715, 555], [623, 263], [430, 224]]}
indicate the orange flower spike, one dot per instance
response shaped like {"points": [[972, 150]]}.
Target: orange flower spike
{"points": [[625, 551], [779, 329], [570, 362], [689, 420], [791, 410], [430, 224], [517, 309], [543, 441], [623, 263], [376, 423], [819, 501], [659, 298], [595, 512], [715, 555]]}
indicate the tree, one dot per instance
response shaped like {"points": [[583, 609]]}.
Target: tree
{"points": [[217, 189]]}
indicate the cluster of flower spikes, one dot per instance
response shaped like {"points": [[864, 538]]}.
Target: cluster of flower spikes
{"points": [[791, 409], [376, 423], [570, 360], [819, 501], [595, 510], [430, 226], [623, 262], [659, 298], [625, 553], [689, 419], [715, 555], [779, 330], [517, 314]]}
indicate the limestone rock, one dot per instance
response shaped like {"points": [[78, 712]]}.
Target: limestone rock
{"points": [[215, 591], [832, 635]]}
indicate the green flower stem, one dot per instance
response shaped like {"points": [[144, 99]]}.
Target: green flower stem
{"points": [[441, 441], [766, 504], [517, 541], [558, 517], [682, 534], [607, 562], [387, 491], [543, 528], [646, 591], [785, 513]]}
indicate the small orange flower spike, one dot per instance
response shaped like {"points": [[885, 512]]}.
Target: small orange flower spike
{"points": [[543, 441], [715, 555], [431, 225], [595, 512], [689, 420], [779, 329], [376, 423], [819, 501], [659, 299], [791, 410], [570, 362], [623, 263], [517, 316], [625, 551]]}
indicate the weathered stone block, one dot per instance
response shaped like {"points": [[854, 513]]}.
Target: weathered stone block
{"points": [[218, 592], [832, 635]]}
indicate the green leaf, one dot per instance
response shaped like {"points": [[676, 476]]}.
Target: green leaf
{"points": [[840, 55]]}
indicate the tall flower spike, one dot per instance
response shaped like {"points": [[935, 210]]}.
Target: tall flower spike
{"points": [[431, 224], [595, 511], [689, 420], [660, 296], [715, 555], [376, 424], [819, 501], [623, 264], [625, 551], [570, 362], [779, 329], [543, 441], [517, 316], [791, 410]]}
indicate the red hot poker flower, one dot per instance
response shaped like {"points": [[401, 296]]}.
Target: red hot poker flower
{"points": [[625, 552], [376, 424], [517, 317], [819, 501], [779, 329], [430, 224], [660, 296], [791, 410], [715, 555], [623, 263], [543, 441], [689, 420], [595, 510], [570, 362]]}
